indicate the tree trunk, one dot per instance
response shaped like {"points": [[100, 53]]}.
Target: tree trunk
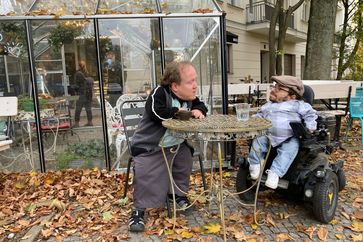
{"points": [[351, 10], [272, 39], [320, 40], [283, 18]]}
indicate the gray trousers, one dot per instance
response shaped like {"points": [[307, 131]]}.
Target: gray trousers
{"points": [[151, 179]]}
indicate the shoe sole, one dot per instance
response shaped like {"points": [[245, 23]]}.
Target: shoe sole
{"points": [[137, 228]]}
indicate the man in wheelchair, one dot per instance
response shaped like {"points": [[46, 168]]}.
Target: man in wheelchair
{"points": [[285, 106], [297, 164]]}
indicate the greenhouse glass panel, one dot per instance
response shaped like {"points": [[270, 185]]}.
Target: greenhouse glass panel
{"points": [[188, 6], [15, 7], [64, 7], [15, 81], [197, 39], [131, 64], [127, 7], [67, 82]]}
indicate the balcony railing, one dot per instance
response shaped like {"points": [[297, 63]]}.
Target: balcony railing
{"points": [[262, 11]]}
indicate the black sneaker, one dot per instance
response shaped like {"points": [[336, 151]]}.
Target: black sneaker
{"points": [[136, 221], [181, 201]]}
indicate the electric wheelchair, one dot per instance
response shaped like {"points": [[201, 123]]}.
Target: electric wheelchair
{"points": [[311, 177]]}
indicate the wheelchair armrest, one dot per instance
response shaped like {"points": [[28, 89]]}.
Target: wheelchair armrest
{"points": [[300, 131]]}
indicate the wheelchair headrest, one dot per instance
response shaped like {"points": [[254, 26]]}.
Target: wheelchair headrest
{"points": [[308, 95]]}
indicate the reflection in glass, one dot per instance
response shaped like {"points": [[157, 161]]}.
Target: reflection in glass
{"points": [[15, 81], [64, 7], [187, 6], [127, 7], [66, 70], [197, 39]]}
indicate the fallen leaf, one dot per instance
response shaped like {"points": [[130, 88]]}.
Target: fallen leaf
{"points": [[58, 205], [357, 226], [310, 231], [254, 226], [339, 236], [107, 216], [358, 214], [26, 237], [270, 220], [187, 235], [19, 184], [23, 222], [322, 233], [357, 237], [283, 237], [212, 228], [333, 222], [47, 232], [345, 215], [49, 179]]}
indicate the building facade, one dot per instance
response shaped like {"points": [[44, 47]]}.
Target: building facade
{"points": [[247, 39]]}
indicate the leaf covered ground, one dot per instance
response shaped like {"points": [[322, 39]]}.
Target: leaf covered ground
{"points": [[88, 204]]}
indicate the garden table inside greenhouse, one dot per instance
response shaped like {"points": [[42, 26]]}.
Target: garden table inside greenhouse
{"points": [[218, 128]]}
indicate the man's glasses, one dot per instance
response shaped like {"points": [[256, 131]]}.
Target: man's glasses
{"points": [[279, 87]]}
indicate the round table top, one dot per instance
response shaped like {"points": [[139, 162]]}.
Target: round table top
{"points": [[217, 127]]}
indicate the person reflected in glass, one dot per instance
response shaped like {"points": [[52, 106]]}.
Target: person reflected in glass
{"points": [[84, 86], [113, 76], [176, 92]]}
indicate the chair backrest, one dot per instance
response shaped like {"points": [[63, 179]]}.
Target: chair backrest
{"points": [[131, 114], [359, 91], [356, 107], [308, 95], [9, 106]]}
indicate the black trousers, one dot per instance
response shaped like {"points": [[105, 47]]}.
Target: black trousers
{"points": [[83, 101]]}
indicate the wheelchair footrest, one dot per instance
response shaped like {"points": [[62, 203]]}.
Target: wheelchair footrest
{"points": [[283, 184]]}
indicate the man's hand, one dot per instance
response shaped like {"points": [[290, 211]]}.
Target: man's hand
{"points": [[196, 113]]}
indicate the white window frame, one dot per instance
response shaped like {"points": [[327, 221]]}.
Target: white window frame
{"points": [[237, 3], [305, 11]]}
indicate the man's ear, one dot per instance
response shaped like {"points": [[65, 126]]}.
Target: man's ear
{"points": [[174, 87]]}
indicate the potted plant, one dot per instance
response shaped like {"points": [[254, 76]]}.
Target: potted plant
{"points": [[64, 34]]}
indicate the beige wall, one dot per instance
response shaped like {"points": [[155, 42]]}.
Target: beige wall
{"points": [[247, 53]]}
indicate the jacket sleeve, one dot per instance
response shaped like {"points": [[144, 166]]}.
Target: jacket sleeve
{"points": [[197, 104], [309, 115], [157, 106]]}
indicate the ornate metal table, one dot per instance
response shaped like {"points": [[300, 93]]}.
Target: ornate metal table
{"points": [[218, 128]]}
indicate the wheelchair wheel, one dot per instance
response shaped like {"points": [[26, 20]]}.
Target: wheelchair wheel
{"points": [[243, 183], [342, 179], [325, 198]]}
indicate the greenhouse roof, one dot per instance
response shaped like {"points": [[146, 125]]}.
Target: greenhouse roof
{"points": [[59, 8]]}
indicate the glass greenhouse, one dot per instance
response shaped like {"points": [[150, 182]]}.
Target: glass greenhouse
{"points": [[123, 44]]}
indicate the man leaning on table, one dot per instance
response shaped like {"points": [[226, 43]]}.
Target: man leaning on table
{"points": [[285, 106], [177, 91]]}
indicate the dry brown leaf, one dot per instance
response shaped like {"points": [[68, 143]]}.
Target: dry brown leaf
{"points": [[358, 214], [283, 237], [270, 220], [47, 232], [357, 202], [357, 237], [206, 239], [339, 236], [49, 179], [345, 215], [310, 231], [357, 226], [24, 222], [322, 233], [212, 228]]}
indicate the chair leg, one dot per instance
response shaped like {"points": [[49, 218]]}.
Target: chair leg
{"points": [[127, 176], [168, 207], [361, 129], [202, 172], [348, 127]]}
